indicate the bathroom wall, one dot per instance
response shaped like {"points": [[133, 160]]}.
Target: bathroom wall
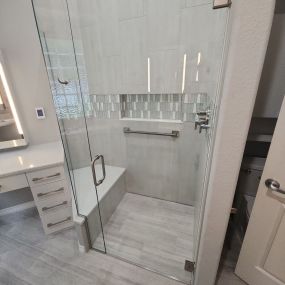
{"points": [[163, 167], [271, 89], [22, 51], [26, 70], [117, 37]]}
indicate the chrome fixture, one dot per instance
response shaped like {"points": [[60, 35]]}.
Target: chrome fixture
{"points": [[203, 127], [274, 186], [217, 4], [202, 120], [174, 134], [100, 181], [65, 82]]}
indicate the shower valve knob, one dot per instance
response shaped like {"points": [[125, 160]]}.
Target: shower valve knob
{"points": [[203, 127]]}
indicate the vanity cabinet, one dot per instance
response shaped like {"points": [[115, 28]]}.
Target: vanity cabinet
{"points": [[52, 198], [41, 168]]}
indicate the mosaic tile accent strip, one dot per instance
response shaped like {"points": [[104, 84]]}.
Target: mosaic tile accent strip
{"points": [[151, 106], [163, 106], [106, 106], [193, 103]]}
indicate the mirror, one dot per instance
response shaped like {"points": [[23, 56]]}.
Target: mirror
{"points": [[11, 132]]}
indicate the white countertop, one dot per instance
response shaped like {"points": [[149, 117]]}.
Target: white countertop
{"points": [[31, 158]]}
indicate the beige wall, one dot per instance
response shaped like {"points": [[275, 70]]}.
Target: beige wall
{"points": [[22, 51], [26, 71]]}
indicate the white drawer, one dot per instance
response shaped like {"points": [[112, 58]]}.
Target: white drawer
{"points": [[13, 182], [54, 190], [45, 176], [57, 220], [53, 205]]}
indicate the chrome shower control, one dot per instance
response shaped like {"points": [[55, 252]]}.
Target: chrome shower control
{"points": [[203, 127]]}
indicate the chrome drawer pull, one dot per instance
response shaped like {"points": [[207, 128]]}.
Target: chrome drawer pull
{"points": [[59, 222], [51, 192], [37, 179], [51, 207]]}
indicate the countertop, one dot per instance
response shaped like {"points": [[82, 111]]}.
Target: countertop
{"points": [[32, 158]]}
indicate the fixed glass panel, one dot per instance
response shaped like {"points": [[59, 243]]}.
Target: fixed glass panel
{"points": [[64, 68]]}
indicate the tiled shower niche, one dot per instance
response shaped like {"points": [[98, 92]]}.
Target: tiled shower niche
{"points": [[176, 107]]}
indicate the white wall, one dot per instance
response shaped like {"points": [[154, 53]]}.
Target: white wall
{"points": [[21, 49], [271, 89]]}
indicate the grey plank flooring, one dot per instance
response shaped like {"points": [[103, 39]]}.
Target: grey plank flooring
{"points": [[153, 233], [29, 257]]}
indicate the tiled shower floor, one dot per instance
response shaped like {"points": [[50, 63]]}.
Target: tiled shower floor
{"points": [[153, 233]]}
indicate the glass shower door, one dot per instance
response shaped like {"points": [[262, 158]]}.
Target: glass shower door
{"points": [[146, 78]]}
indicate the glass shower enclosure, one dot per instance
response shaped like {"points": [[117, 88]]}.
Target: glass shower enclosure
{"points": [[135, 85]]}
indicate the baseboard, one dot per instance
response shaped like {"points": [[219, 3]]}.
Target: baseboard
{"points": [[17, 208]]}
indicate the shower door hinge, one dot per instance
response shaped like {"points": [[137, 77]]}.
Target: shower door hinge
{"points": [[218, 4], [189, 266]]}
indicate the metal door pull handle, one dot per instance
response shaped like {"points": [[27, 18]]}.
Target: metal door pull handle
{"points": [[100, 181], [274, 186]]}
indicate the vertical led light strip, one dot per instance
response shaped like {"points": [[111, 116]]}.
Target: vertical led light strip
{"points": [[10, 100], [199, 58], [198, 63], [148, 75], [183, 72]]}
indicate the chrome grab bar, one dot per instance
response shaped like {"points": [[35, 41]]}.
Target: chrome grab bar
{"points": [[174, 134], [37, 179], [54, 206], [100, 181], [59, 222], [51, 192]]}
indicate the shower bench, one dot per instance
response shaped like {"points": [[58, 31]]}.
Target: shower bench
{"points": [[110, 192]]}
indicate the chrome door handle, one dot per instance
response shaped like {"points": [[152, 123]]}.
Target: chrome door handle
{"points": [[100, 181], [274, 186]]}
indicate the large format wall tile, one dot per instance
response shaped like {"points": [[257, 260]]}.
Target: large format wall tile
{"points": [[134, 55], [129, 9]]}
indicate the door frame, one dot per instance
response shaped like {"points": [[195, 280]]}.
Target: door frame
{"points": [[249, 30]]}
